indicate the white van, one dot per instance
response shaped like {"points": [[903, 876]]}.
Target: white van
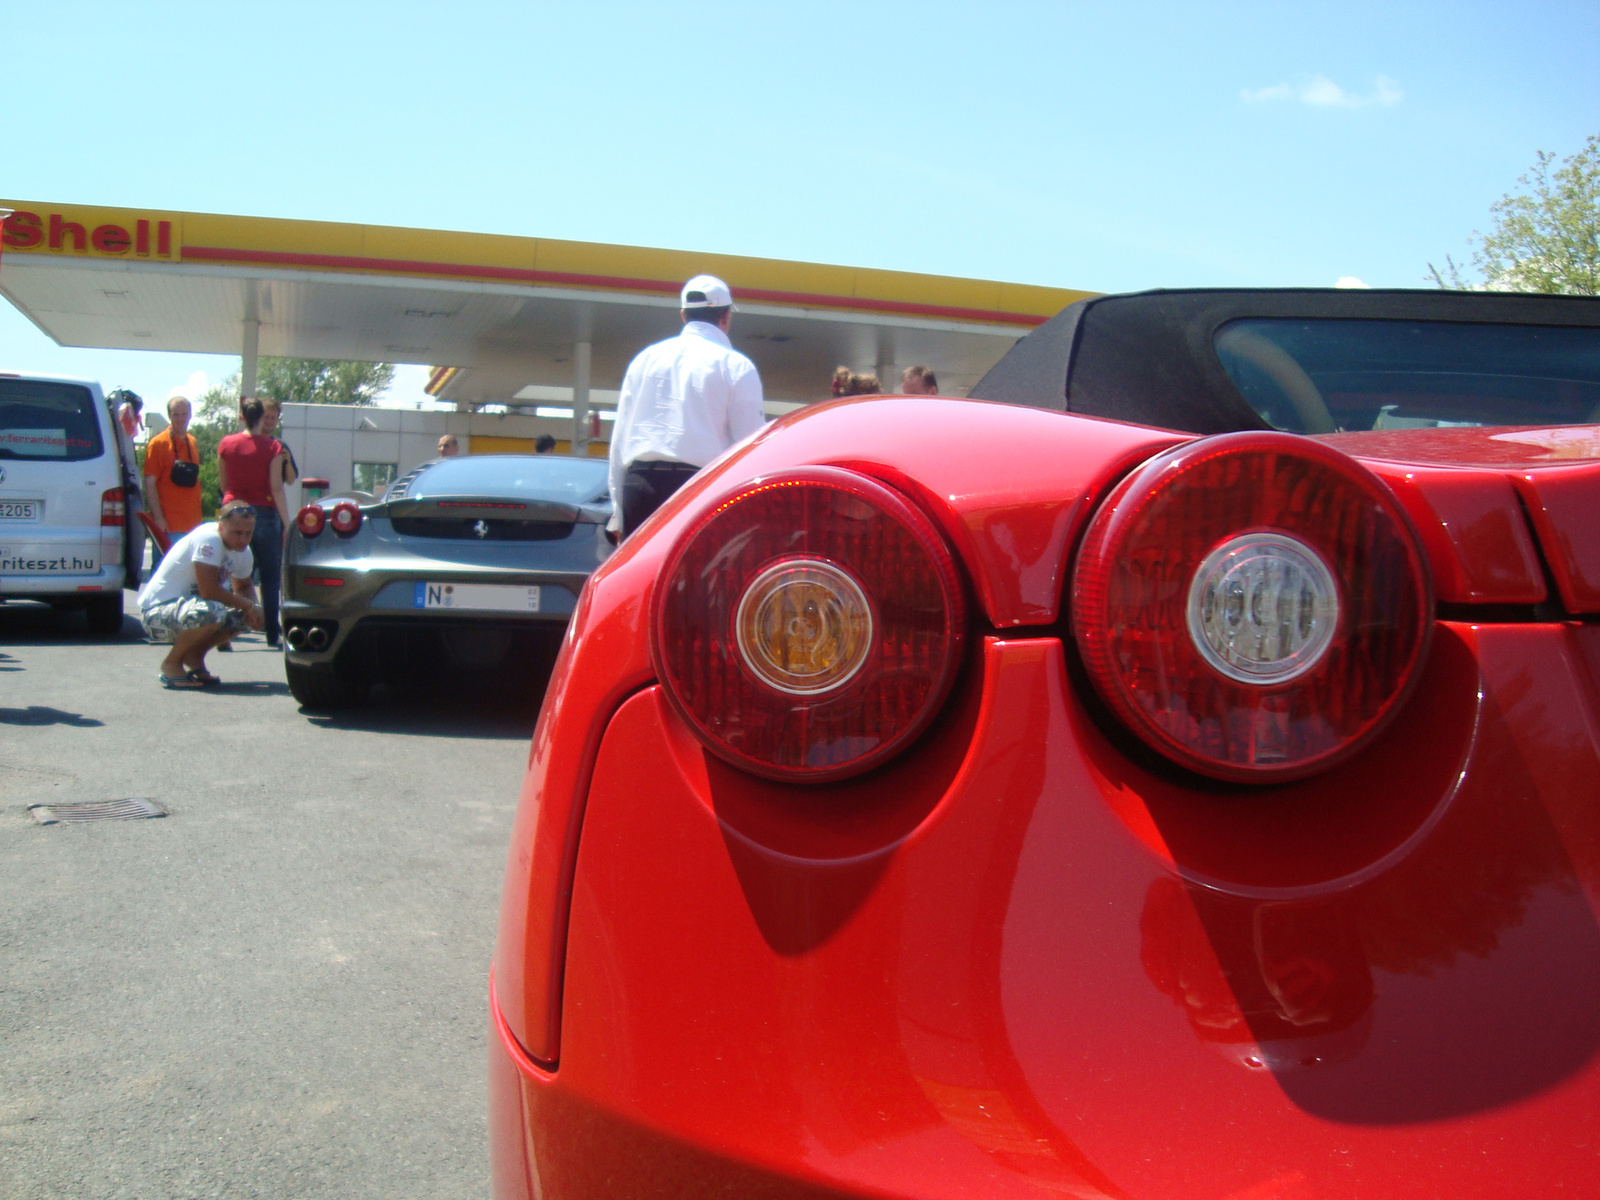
{"points": [[68, 489]]}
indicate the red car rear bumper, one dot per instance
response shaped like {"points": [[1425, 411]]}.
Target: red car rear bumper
{"points": [[1030, 964]]}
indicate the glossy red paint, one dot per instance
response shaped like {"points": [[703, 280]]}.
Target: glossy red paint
{"points": [[1469, 488], [1068, 978], [1013, 538], [1479, 545], [1012, 527], [1028, 957], [1563, 506]]}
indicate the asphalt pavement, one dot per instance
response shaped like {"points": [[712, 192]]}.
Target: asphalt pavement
{"points": [[277, 990]]}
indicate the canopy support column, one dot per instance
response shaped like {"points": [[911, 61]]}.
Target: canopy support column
{"points": [[581, 352], [247, 357]]}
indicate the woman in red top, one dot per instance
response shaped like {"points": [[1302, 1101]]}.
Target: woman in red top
{"points": [[250, 468]]}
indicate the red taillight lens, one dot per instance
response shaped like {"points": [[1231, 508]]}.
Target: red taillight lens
{"points": [[1254, 605], [113, 507], [810, 625], [345, 518], [310, 520]]}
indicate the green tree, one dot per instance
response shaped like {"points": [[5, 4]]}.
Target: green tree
{"points": [[1546, 238], [323, 381]]}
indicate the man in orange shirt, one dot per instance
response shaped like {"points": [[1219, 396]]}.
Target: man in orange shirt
{"points": [[171, 458]]}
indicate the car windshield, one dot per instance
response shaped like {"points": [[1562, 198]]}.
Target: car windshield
{"points": [[53, 421], [1317, 376], [541, 476]]}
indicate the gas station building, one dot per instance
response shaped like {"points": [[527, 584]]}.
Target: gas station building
{"points": [[543, 327]]}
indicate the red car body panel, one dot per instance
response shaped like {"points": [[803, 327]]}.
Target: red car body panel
{"points": [[1553, 475], [1024, 958]]}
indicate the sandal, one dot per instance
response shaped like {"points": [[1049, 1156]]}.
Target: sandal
{"points": [[206, 678], [180, 683]]}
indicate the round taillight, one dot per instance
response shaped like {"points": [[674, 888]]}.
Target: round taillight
{"points": [[310, 520], [345, 518], [1254, 605], [804, 626], [809, 626]]}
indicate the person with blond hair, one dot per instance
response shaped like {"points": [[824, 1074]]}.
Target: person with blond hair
{"points": [[847, 383], [201, 595], [172, 472]]}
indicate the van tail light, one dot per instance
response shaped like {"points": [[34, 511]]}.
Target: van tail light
{"points": [[345, 518], [310, 520], [810, 625], [1254, 605], [113, 507]]}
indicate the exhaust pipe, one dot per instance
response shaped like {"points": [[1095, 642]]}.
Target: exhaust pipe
{"points": [[317, 639], [295, 635]]}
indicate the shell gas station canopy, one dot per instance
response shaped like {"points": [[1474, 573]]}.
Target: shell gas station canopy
{"points": [[501, 319]]}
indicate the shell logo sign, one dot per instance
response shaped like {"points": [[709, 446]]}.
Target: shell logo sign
{"points": [[95, 233]]}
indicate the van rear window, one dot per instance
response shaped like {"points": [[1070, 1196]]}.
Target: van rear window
{"points": [[43, 420]]}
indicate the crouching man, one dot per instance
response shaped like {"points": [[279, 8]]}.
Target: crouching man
{"points": [[187, 601]]}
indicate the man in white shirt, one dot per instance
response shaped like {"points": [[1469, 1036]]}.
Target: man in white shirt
{"points": [[185, 602], [683, 402]]}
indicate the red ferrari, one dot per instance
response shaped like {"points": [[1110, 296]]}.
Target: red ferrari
{"points": [[1172, 776]]}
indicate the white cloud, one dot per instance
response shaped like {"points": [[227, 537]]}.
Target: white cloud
{"points": [[1350, 281], [1321, 92], [192, 388], [1278, 91]]}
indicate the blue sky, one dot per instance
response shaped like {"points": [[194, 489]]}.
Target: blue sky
{"points": [[1107, 147]]}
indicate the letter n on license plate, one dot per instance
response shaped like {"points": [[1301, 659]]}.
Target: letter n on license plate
{"points": [[479, 597]]}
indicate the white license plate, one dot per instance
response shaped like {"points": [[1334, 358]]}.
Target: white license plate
{"points": [[478, 597], [47, 560], [19, 510]]}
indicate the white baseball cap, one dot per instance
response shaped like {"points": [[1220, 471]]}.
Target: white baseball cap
{"points": [[706, 291]]}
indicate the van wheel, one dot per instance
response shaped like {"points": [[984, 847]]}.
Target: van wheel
{"points": [[323, 687], [105, 614]]}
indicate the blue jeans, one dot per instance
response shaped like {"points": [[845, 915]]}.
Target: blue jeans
{"points": [[266, 545]]}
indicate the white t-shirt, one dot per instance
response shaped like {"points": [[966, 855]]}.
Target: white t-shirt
{"points": [[174, 578], [687, 399]]}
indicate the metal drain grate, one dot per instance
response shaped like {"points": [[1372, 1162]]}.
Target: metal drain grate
{"points": [[133, 808]]}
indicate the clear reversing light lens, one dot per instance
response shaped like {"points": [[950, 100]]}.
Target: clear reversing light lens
{"points": [[345, 518], [1263, 608], [804, 626]]}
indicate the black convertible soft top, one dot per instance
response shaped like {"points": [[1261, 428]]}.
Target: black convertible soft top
{"points": [[1148, 357]]}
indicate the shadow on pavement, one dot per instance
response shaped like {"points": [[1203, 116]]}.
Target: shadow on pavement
{"points": [[464, 706], [249, 687], [36, 714], [31, 623]]}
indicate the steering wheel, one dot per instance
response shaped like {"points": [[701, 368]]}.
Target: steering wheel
{"points": [[1289, 375]]}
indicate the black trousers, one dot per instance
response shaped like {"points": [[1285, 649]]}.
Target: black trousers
{"points": [[646, 487]]}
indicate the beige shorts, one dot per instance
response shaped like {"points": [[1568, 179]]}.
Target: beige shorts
{"points": [[163, 622]]}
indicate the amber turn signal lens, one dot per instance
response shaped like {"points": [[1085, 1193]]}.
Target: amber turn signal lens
{"points": [[310, 520], [804, 626], [809, 625]]}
